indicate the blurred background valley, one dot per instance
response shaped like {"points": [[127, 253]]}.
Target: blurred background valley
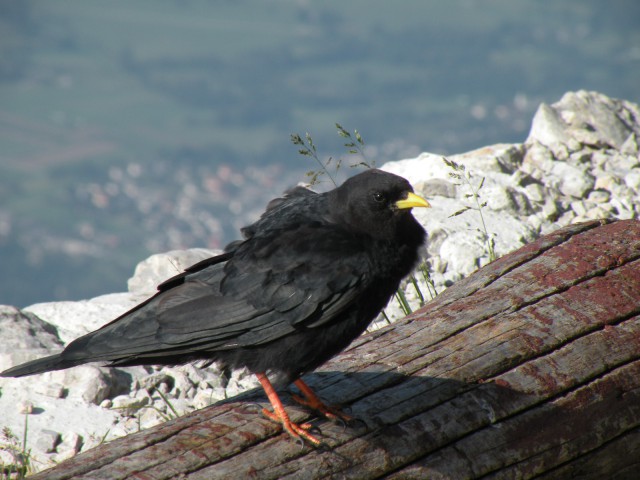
{"points": [[132, 128]]}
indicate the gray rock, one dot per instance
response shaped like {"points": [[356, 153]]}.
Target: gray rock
{"points": [[10, 457], [436, 187], [54, 390], [241, 381], [203, 398], [47, 441], [579, 207], [632, 179], [624, 208], [69, 446], [182, 384], [549, 129], [127, 405], [594, 119], [73, 319], [24, 337], [535, 192], [597, 212], [620, 165], [583, 157], [573, 181], [500, 158], [90, 383], [141, 394], [537, 162], [25, 407], [150, 417], [630, 145], [581, 118], [460, 265], [599, 196], [153, 382], [509, 198], [607, 182]]}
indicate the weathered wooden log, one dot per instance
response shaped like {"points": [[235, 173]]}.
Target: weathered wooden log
{"points": [[528, 368]]}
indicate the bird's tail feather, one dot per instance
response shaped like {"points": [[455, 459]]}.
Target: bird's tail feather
{"points": [[40, 365]]}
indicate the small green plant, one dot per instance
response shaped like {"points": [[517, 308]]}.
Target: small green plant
{"points": [[401, 298], [354, 144], [174, 413], [166, 416], [460, 173], [103, 439], [423, 268], [22, 461], [355, 147], [308, 149]]}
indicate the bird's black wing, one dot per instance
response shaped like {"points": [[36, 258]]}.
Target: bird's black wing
{"points": [[196, 267], [267, 288]]}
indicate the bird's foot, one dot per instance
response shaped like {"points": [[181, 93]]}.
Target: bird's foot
{"points": [[279, 415], [330, 412], [311, 400], [298, 431]]}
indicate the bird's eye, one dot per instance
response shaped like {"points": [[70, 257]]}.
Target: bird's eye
{"points": [[379, 197]]}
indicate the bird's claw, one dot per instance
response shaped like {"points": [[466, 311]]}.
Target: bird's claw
{"points": [[299, 431], [332, 413]]}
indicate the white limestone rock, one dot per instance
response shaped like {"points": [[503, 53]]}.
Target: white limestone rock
{"points": [[74, 319], [157, 268], [630, 145], [91, 383], [241, 380], [572, 181], [24, 337], [127, 405], [150, 417], [69, 446], [156, 381], [54, 390], [632, 180], [183, 386], [47, 440], [583, 118], [206, 397]]}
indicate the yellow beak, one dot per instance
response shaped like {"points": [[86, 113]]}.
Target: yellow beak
{"points": [[411, 201]]}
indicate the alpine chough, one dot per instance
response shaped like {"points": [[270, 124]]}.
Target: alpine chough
{"points": [[308, 278]]}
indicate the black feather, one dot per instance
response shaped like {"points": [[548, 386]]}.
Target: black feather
{"points": [[308, 278]]}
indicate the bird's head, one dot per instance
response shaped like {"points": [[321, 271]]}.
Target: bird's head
{"points": [[377, 203]]}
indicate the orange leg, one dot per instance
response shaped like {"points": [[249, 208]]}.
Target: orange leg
{"points": [[279, 414], [312, 400]]}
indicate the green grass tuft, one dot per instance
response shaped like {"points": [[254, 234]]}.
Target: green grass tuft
{"points": [[21, 465], [461, 174]]}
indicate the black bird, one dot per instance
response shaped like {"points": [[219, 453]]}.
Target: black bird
{"points": [[308, 278]]}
